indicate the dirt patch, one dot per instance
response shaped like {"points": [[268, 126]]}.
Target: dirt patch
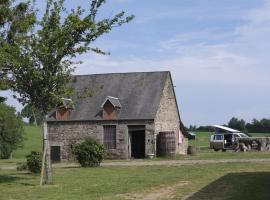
{"points": [[155, 193]]}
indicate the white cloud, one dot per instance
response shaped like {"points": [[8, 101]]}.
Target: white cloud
{"points": [[208, 55], [237, 59]]}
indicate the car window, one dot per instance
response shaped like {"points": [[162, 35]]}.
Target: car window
{"points": [[218, 137], [243, 135]]}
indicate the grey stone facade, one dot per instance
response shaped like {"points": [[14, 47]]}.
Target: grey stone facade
{"points": [[157, 103], [66, 134], [167, 117]]}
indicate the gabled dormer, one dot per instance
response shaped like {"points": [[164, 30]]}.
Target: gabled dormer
{"points": [[63, 111], [110, 108]]}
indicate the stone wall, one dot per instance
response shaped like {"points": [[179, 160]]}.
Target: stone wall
{"points": [[67, 134], [167, 118]]}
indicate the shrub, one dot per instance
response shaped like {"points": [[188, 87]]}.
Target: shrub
{"points": [[11, 130], [89, 153], [21, 167], [34, 162]]}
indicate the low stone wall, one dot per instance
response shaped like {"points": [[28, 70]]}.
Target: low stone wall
{"points": [[252, 144]]}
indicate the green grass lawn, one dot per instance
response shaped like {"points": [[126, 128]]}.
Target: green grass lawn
{"points": [[208, 181], [202, 139], [213, 181], [32, 142]]}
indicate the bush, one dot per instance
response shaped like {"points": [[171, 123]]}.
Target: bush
{"points": [[89, 153], [34, 162], [11, 130], [21, 167]]}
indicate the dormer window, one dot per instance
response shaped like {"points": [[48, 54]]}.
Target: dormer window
{"points": [[63, 111], [110, 108]]}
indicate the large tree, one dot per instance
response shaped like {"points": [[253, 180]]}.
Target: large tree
{"points": [[46, 57], [39, 63]]}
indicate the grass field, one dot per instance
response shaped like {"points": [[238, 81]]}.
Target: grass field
{"points": [[32, 142], [194, 182], [212, 181]]}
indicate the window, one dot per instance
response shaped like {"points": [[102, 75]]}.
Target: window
{"points": [[110, 136], [218, 137]]}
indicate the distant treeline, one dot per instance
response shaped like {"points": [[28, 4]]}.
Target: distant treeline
{"points": [[255, 126]]}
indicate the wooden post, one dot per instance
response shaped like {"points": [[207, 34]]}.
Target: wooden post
{"points": [[46, 159], [42, 166]]}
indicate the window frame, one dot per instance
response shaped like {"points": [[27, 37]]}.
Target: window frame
{"points": [[109, 136], [216, 137]]}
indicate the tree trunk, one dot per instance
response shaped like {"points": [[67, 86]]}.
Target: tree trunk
{"points": [[46, 162]]}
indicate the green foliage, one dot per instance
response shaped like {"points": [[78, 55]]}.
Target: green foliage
{"points": [[32, 114], [259, 126], [238, 124], [205, 128], [256, 126], [89, 153], [32, 142], [40, 63], [16, 20], [2, 99], [11, 131], [33, 161], [22, 167]]}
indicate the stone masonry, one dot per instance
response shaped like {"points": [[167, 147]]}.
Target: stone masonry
{"points": [[67, 134], [167, 117]]}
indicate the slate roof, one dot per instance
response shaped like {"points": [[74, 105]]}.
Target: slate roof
{"points": [[114, 101], [138, 92]]}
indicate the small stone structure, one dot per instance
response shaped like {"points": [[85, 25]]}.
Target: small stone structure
{"points": [[123, 111]]}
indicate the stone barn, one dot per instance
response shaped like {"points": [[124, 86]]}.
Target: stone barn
{"points": [[124, 111]]}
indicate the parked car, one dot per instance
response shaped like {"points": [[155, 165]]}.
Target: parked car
{"points": [[224, 138]]}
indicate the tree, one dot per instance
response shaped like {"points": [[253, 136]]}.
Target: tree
{"points": [[15, 22], [44, 57], [259, 126], [238, 124], [11, 131], [32, 114]]}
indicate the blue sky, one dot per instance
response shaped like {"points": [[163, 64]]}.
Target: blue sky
{"points": [[217, 51]]}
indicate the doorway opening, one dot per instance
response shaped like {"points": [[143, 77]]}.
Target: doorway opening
{"points": [[55, 154], [136, 141]]}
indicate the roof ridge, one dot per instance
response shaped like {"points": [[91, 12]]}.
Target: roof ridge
{"points": [[121, 73]]}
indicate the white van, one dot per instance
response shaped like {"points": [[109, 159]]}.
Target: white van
{"points": [[224, 138]]}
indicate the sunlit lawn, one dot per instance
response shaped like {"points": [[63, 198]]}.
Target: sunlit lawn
{"points": [[201, 182]]}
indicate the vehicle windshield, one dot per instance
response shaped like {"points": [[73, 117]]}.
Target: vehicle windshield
{"points": [[242, 135]]}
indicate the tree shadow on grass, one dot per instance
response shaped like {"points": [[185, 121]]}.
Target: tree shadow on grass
{"points": [[12, 178], [236, 186], [8, 179]]}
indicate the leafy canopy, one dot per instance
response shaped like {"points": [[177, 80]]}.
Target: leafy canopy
{"points": [[41, 62], [16, 20]]}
